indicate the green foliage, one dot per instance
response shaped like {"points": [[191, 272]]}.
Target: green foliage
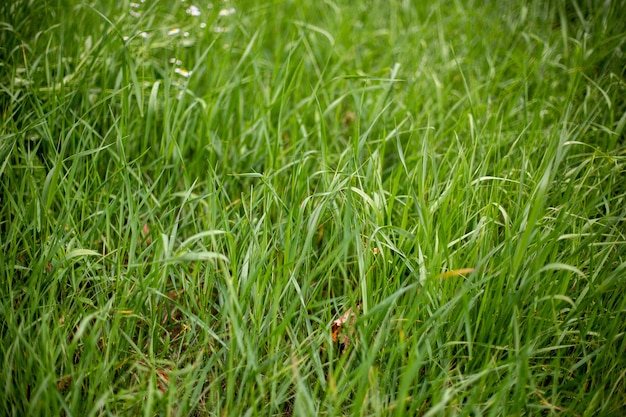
{"points": [[190, 203]]}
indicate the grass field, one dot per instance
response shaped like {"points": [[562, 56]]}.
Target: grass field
{"points": [[312, 208]]}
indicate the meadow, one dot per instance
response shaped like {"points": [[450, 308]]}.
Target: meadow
{"points": [[312, 208]]}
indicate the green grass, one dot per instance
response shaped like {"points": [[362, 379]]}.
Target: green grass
{"points": [[177, 238]]}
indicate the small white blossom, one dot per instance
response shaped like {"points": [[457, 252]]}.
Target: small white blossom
{"points": [[183, 72], [227, 12], [193, 10]]}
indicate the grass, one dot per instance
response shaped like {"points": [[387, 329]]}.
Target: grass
{"points": [[312, 208]]}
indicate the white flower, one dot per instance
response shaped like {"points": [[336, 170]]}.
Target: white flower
{"points": [[193, 10], [227, 12], [183, 72]]}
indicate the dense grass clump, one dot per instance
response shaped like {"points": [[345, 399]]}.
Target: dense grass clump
{"points": [[312, 208]]}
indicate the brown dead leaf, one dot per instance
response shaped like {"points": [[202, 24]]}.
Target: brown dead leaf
{"points": [[342, 329], [456, 272], [348, 118], [162, 380], [64, 382], [146, 234], [234, 203]]}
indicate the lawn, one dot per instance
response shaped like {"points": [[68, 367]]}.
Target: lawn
{"points": [[331, 207]]}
